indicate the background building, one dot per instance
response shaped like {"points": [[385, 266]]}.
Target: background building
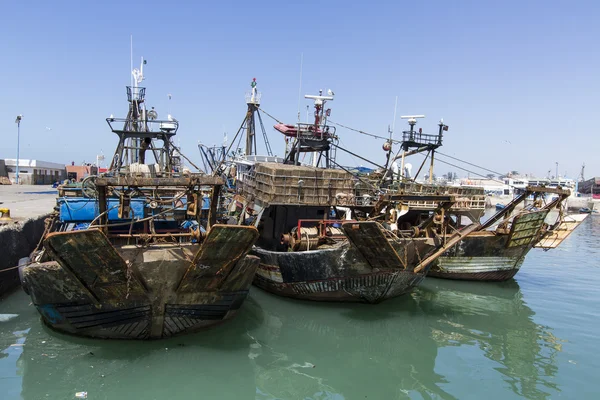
{"points": [[78, 172], [35, 172]]}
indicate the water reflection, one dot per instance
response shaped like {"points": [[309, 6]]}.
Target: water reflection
{"points": [[430, 344], [328, 351], [496, 319], [213, 363]]}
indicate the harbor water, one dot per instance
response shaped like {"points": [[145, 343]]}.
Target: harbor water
{"points": [[533, 337]]}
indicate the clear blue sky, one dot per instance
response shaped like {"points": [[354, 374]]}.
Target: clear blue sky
{"points": [[516, 81]]}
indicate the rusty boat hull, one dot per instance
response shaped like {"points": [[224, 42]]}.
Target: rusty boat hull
{"points": [[366, 268], [89, 287], [492, 255], [480, 258]]}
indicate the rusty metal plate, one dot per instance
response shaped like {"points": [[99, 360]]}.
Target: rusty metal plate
{"points": [[553, 238], [90, 258], [526, 228], [222, 248], [370, 241]]}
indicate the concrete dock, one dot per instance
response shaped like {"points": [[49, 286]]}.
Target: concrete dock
{"points": [[29, 205], [27, 201]]}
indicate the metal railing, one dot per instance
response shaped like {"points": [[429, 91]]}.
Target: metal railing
{"points": [[421, 139], [253, 98], [136, 93], [142, 127]]}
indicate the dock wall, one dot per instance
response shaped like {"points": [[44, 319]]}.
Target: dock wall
{"points": [[17, 241]]}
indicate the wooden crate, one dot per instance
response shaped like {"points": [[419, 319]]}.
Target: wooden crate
{"points": [[271, 183]]}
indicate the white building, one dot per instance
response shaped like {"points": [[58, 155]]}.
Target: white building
{"points": [[35, 172]]}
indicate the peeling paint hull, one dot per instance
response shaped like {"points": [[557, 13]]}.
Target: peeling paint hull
{"points": [[91, 288], [480, 258], [338, 274]]}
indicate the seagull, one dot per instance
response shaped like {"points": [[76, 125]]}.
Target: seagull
{"points": [[330, 92], [48, 129]]}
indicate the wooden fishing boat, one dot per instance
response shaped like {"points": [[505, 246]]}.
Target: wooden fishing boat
{"points": [[138, 253], [316, 241], [495, 250]]}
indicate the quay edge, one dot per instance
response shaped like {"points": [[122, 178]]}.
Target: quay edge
{"points": [[17, 240]]}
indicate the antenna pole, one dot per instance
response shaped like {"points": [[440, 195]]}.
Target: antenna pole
{"points": [[300, 88], [394, 123], [131, 57], [431, 166], [18, 145]]}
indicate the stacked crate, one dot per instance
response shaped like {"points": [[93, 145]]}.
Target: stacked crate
{"points": [[467, 198], [273, 183]]}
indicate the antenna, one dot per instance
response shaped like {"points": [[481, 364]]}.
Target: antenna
{"points": [[412, 118], [300, 89], [394, 123], [131, 56]]}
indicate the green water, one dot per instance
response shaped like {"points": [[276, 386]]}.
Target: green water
{"points": [[533, 337]]}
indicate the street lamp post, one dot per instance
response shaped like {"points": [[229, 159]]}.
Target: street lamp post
{"points": [[18, 122]]}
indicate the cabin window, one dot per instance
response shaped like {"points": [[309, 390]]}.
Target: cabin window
{"points": [[506, 191]]}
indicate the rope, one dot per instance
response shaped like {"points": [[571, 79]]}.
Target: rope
{"points": [[466, 162], [437, 152], [269, 115], [183, 155], [8, 269], [365, 133]]}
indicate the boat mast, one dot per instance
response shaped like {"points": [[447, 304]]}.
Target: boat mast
{"points": [[138, 133], [253, 102], [420, 142]]}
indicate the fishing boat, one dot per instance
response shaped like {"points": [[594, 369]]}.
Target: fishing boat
{"points": [[138, 252], [316, 239], [495, 250]]}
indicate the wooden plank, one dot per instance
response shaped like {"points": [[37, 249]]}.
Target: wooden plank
{"points": [[370, 241], [192, 180], [222, 248], [526, 228], [91, 259], [552, 238]]}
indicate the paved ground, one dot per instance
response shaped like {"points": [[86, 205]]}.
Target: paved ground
{"points": [[27, 201]]}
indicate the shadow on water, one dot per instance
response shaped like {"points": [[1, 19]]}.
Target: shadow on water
{"points": [[355, 351]]}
